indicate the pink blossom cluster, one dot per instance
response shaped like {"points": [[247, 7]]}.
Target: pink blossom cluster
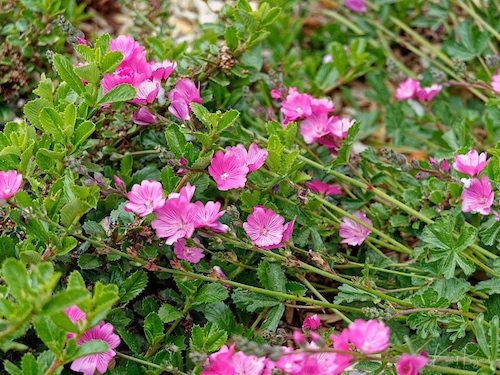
{"points": [[410, 89], [323, 188], [10, 183], [89, 364], [176, 216], [358, 6], [478, 194], [146, 77], [315, 123], [230, 169], [267, 229], [367, 337]]}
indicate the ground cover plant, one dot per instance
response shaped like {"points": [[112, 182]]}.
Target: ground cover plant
{"points": [[295, 188]]}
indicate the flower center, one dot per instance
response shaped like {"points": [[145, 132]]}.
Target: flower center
{"points": [[264, 231], [148, 203], [224, 176], [298, 109], [6, 190]]}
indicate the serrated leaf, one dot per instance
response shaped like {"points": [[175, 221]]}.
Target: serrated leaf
{"points": [[202, 114], [89, 73], [227, 119], [429, 298], [53, 337], [345, 150], [209, 293], [231, 37], [133, 286], [153, 328], [33, 108], [29, 364], [219, 313], [72, 211], [110, 61], [65, 70], [65, 299], [82, 132], [272, 276], [176, 140], [91, 347], [273, 318], [252, 301], [94, 229], [350, 294], [121, 93], [491, 286], [169, 313], [52, 123], [75, 281], [15, 276], [7, 248]]}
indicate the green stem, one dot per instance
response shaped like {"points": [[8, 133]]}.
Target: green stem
{"points": [[306, 282], [149, 364], [478, 19], [345, 21]]}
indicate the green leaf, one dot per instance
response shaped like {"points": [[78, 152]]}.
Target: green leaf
{"points": [[75, 281], [349, 294], [7, 248], [94, 229], [91, 347], [15, 276], [32, 111], [133, 286], [89, 261], [340, 58], [275, 150], [52, 123], [110, 61], [207, 339], [29, 364], [82, 132], [219, 313], [153, 328], [65, 299], [210, 293], [272, 276], [53, 337], [491, 286], [72, 211], [89, 73], [429, 298], [176, 140], [231, 37], [203, 115], [273, 318], [252, 301], [344, 152], [227, 119], [121, 93], [490, 235], [66, 72], [11, 368], [169, 313]]}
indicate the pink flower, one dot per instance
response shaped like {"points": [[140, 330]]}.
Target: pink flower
{"points": [[145, 198], [471, 163], [407, 89], [358, 6], [322, 105], [370, 336], [89, 364], [445, 166], [119, 182], [254, 158], [77, 316], [248, 364], [175, 219], [314, 127], [339, 126], [353, 233], [160, 71], [208, 215], [10, 183], [276, 94], [341, 342], [298, 337], [296, 106], [185, 92], [191, 254], [426, 94], [143, 117], [264, 227], [226, 362], [411, 364], [228, 171], [291, 363], [146, 91], [478, 197], [323, 188], [131, 50], [495, 83], [311, 322], [217, 272]]}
